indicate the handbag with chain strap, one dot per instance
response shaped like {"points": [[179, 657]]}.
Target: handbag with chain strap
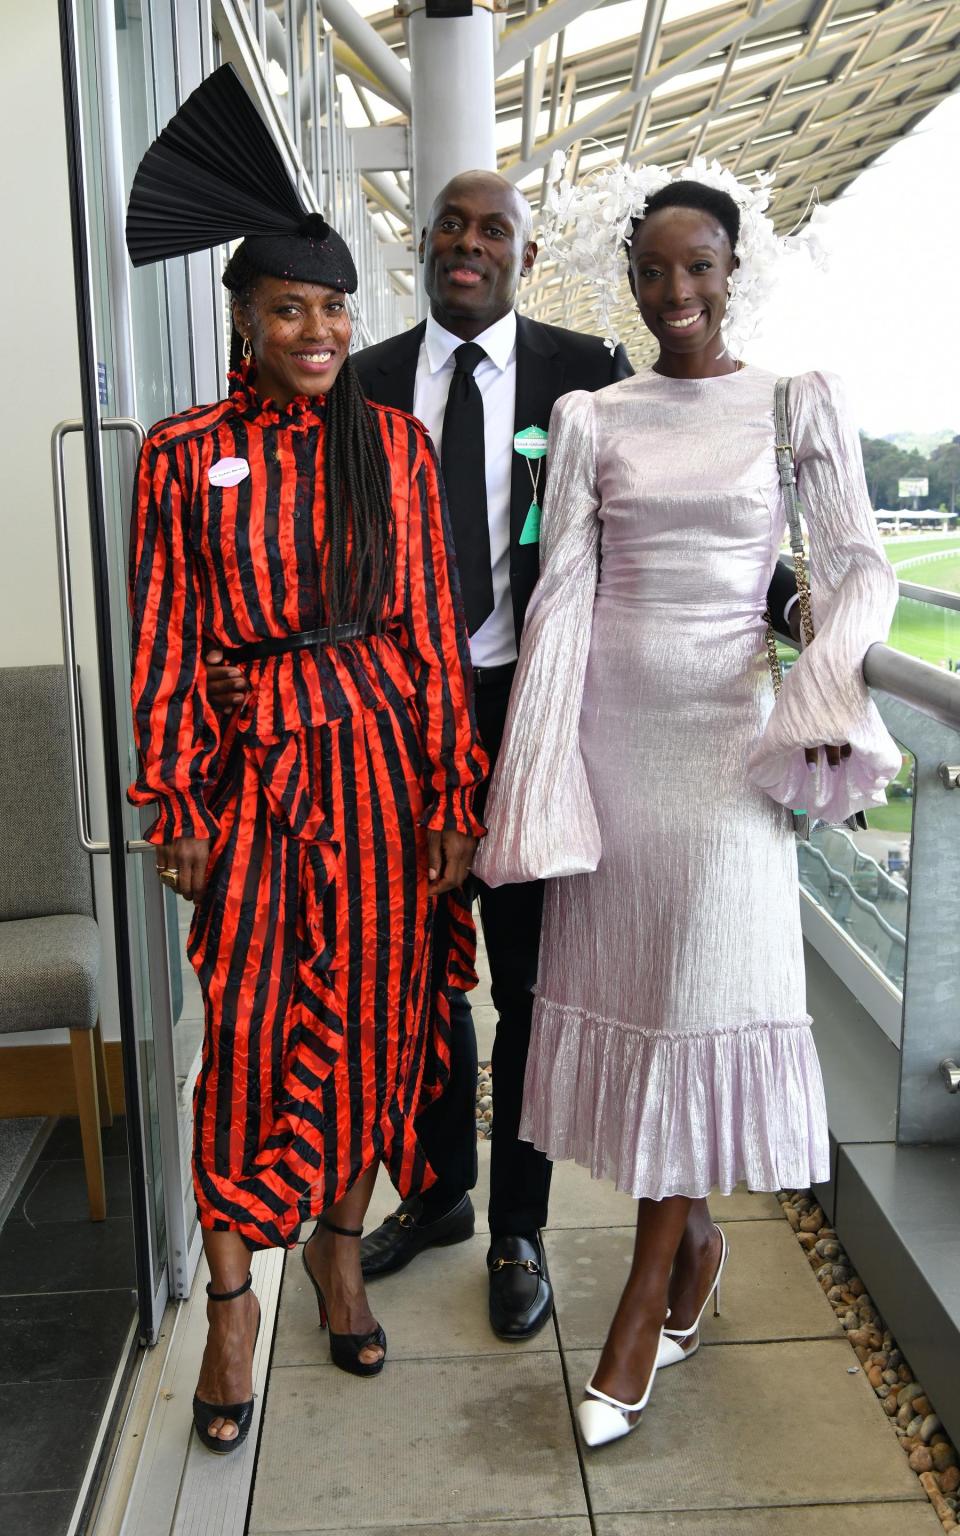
{"points": [[788, 483]]}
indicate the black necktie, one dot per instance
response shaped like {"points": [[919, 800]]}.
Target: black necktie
{"points": [[463, 461]]}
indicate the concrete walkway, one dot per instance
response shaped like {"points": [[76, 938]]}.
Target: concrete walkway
{"points": [[768, 1430]]}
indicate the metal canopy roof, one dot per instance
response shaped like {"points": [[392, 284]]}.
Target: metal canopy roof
{"points": [[813, 90]]}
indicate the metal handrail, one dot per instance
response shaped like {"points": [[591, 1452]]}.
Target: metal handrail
{"points": [[924, 687], [931, 595]]}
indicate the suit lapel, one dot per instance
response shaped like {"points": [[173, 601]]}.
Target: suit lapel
{"points": [[540, 381], [396, 383]]}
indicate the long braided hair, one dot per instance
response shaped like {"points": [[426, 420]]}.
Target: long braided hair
{"points": [[358, 561], [359, 531]]}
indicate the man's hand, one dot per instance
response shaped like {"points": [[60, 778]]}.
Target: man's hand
{"points": [[449, 856], [226, 686], [188, 856]]}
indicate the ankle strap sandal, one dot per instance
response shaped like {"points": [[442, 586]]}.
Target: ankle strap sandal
{"points": [[240, 1414], [241, 1290]]}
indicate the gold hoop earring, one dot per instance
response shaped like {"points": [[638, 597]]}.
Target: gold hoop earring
{"points": [[247, 350]]}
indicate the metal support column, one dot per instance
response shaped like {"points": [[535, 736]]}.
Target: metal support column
{"points": [[452, 86]]}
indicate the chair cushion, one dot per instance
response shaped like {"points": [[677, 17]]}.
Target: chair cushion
{"points": [[44, 870], [48, 973]]}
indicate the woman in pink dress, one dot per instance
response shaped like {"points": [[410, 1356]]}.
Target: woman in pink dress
{"points": [[645, 773]]}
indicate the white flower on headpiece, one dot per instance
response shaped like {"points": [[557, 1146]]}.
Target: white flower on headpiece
{"points": [[585, 225]]}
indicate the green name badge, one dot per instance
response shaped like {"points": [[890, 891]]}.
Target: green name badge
{"points": [[531, 443], [530, 533]]}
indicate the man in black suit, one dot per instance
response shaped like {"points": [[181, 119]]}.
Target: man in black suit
{"points": [[475, 250]]}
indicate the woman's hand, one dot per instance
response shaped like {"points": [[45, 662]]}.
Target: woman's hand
{"points": [[449, 856], [834, 755], [188, 857], [226, 686]]}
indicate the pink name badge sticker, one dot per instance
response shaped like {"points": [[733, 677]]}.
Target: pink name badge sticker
{"points": [[228, 472]]}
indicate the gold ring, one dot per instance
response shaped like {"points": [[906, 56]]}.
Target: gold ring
{"points": [[170, 877]]}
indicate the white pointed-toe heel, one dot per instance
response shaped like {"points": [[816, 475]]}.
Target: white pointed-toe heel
{"points": [[602, 1418], [679, 1344]]}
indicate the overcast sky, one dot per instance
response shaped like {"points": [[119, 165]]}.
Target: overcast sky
{"points": [[886, 316]]}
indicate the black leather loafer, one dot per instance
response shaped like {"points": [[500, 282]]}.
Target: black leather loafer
{"points": [[404, 1234], [521, 1296]]}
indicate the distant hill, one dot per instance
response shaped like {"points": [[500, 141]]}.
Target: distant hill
{"points": [[920, 442]]}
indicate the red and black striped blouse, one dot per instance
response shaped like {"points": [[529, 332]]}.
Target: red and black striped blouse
{"points": [[222, 565]]}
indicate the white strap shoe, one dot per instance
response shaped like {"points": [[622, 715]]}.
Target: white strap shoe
{"points": [[679, 1344], [602, 1418]]}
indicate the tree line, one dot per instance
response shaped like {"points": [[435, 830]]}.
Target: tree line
{"points": [[886, 465]]}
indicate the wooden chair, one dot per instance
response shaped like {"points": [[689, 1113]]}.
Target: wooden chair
{"points": [[49, 941]]}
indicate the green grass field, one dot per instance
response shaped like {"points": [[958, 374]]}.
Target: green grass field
{"points": [[932, 634], [895, 817], [912, 549]]}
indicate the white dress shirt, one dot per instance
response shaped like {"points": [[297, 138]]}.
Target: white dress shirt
{"points": [[494, 643]]}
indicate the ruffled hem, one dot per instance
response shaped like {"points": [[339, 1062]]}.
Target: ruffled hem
{"points": [[666, 1115]]}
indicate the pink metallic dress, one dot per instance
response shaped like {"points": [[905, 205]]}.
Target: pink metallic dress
{"points": [[645, 770]]}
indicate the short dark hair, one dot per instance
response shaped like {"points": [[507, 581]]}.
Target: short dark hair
{"points": [[693, 194]]}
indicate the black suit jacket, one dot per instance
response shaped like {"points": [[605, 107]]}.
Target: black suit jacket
{"points": [[550, 362]]}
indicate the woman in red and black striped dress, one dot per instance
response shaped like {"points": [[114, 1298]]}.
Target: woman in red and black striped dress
{"points": [[304, 533]]}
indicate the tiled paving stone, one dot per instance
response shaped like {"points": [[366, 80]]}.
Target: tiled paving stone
{"points": [[49, 1338], [46, 1431], [36, 1514], [577, 1200], [435, 1307], [66, 1256], [765, 1292], [816, 1520], [751, 1425], [509, 1523], [489, 1439], [57, 1191]]}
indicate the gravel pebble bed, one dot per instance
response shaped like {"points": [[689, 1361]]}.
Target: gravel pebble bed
{"points": [[929, 1451], [484, 1100]]}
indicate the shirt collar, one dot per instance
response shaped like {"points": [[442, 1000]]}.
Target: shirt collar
{"points": [[498, 341]]}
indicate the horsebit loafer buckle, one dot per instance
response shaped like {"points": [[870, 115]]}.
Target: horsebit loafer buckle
{"points": [[527, 1264], [403, 1218]]}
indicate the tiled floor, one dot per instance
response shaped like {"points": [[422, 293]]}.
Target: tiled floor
{"points": [[66, 1305], [769, 1431]]}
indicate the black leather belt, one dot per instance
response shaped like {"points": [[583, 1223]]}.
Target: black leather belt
{"points": [[489, 677], [305, 639]]}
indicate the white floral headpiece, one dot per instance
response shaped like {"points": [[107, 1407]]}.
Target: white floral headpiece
{"points": [[586, 223]]}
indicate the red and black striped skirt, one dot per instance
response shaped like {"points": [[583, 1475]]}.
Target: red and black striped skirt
{"points": [[327, 1023]]}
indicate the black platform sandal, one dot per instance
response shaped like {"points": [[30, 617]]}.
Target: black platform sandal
{"points": [[240, 1414], [345, 1347]]}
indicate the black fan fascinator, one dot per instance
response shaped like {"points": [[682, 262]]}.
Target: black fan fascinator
{"points": [[213, 175]]}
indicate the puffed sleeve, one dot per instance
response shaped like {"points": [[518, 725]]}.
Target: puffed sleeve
{"points": [[437, 634], [176, 730], [824, 697], [540, 816]]}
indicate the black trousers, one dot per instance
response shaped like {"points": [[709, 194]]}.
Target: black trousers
{"points": [[510, 917]]}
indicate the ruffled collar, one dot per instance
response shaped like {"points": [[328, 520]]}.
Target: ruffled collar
{"points": [[300, 414]]}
